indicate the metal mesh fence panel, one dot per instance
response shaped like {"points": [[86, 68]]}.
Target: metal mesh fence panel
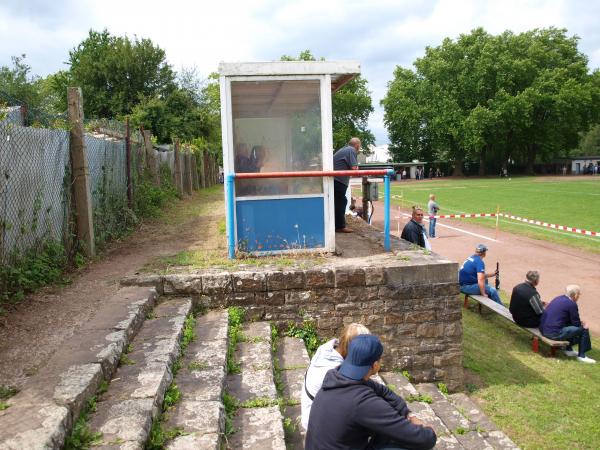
{"points": [[34, 189]]}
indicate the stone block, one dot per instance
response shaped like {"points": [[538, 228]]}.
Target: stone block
{"points": [[254, 355], [259, 428], [349, 276], [216, 284], [430, 330], [325, 295], [329, 323], [76, 385], [407, 275], [299, 297], [374, 276], [195, 441], [249, 281], [208, 353], [211, 326], [152, 280], [292, 354], [252, 384], [443, 272], [445, 289], [270, 298], [293, 383], [453, 329], [198, 383], [127, 421], [447, 359], [197, 417], [284, 280], [182, 284], [320, 278], [242, 299]]}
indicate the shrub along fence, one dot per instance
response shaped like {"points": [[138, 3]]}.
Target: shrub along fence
{"points": [[62, 192]]}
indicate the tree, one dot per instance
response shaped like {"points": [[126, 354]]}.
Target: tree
{"points": [[115, 72], [490, 99], [351, 108]]}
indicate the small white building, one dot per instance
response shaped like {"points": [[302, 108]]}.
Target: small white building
{"points": [[379, 154]]}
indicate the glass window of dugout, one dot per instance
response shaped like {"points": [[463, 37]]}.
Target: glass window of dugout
{"points": [[277, 128]]}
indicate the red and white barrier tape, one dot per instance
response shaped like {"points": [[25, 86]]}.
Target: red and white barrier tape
{"points": [[462, 216], [551, 225]]}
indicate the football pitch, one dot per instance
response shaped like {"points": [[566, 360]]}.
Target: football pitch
{"points": [[570, 201]]}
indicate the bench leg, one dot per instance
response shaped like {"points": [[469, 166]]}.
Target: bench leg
{"points": [[466, 302], [535, 344], [479, 306], [552, 351]]}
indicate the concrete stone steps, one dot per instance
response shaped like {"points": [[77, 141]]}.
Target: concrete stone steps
{"points": [[42, 414], [125, 412], [200, 414], [258, 423], [291, 363]]}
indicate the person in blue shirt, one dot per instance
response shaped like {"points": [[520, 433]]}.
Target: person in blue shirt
{"points": [[473, 279], [560, 321]]}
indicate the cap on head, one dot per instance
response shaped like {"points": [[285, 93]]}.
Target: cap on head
{"points": [[363, 351], [481, 248]]}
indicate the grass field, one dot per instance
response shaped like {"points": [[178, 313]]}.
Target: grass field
{"points": [[574, 202], [539, 401]]}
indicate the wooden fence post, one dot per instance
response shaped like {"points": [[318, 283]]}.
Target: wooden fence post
{"points": [[195, 183], [128, 164], [80, 173], [201, 169], [187, 177], [177, 164]]}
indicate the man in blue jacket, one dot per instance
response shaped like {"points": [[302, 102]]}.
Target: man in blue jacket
{"points": [[473, 279], [352, 412], [560, 321]]}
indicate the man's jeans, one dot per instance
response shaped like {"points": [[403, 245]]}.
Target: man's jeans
{"points": [[432, 227], [473, 289], [575, 335]]}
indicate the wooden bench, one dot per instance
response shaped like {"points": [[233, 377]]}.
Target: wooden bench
{"points": [[504, 312]]}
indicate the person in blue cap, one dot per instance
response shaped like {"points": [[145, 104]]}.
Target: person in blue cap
{"points": [[353, 412], [472, 277]]}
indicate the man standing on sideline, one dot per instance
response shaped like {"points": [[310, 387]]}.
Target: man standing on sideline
{"points": [[526, 306], [432, 210], [561, 322], [343, 159], [414, 231], [351, 408], [473, 279]]}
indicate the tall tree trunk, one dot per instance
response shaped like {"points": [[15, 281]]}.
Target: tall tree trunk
{"points": [[482, 161], [458, 163], [531, 153]]}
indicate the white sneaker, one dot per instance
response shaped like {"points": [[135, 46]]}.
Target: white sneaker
{"points": [[585, 359], [570, 352]]}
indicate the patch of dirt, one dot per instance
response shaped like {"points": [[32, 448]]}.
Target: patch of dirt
{"points": [[34, 329]]}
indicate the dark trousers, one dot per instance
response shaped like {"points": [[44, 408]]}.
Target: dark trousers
{"points": [[340, 201], [576, 336]]}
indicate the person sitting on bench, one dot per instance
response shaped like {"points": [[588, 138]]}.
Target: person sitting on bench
{"points": [[526, 305], [473, 279], [561, 322]]}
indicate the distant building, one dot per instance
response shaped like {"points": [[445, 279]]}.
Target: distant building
{"points": [[379, 154]]}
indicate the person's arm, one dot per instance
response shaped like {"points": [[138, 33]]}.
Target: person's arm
{"points": [[390, 396], [536, 304], [481, 282], [378, 416], [574, 316]]}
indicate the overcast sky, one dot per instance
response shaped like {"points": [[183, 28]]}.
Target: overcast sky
{"points": [[379, 33]]}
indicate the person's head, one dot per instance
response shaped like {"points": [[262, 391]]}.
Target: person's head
{"points": [[431, 196], [258, 155], [363, 358], [355, 142], [242, 149], [481, 250], [349, 332], [533, 277], [417, 214], [573, 291]]}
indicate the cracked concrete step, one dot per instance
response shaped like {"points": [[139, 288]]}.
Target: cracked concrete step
{"points": [[125, 412], [199, 413], [256, 428], [43, 413], [445, 439], [479, 420], [458, 424], [292, 362]]}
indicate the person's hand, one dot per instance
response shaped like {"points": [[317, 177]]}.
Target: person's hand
{"points": [[414, 420], [583, 325]]}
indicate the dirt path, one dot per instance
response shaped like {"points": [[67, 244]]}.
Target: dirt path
{"points": [[31, 332], [558, 265]]}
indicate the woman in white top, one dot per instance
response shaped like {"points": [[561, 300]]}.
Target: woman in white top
{"points": [[328, 356]]}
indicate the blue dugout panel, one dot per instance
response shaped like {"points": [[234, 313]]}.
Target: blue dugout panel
{"points": [[280, 224]]}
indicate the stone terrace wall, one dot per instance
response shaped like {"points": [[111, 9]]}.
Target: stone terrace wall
{"points": [[412, 305]]}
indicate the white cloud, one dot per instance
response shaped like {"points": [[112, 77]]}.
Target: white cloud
{"points": [[379, 33]]}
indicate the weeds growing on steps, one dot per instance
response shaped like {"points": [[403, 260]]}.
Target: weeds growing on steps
{"points": [[419, 398], [308, 333], [6, 392], [82, 438], [236, 317]]}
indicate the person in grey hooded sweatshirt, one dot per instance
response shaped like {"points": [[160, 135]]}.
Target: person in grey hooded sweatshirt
{"points": [[328, 356]]}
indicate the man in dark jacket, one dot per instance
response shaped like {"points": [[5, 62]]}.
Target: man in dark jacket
{"points": [[414, 231], [526, 306], [343, 159], [561, 322], [351, 411]]}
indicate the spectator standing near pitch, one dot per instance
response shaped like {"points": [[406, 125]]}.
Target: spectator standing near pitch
{"points": [[472, 277], [353, 412], [343, 159], [561, 322], [414, 231], [432, 210], [526, 305]]}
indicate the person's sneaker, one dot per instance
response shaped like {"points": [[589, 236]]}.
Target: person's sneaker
{"points": [[570, 352], [585, 359]]}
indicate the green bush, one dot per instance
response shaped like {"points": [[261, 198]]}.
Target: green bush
{"points": [[150, 198]]}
